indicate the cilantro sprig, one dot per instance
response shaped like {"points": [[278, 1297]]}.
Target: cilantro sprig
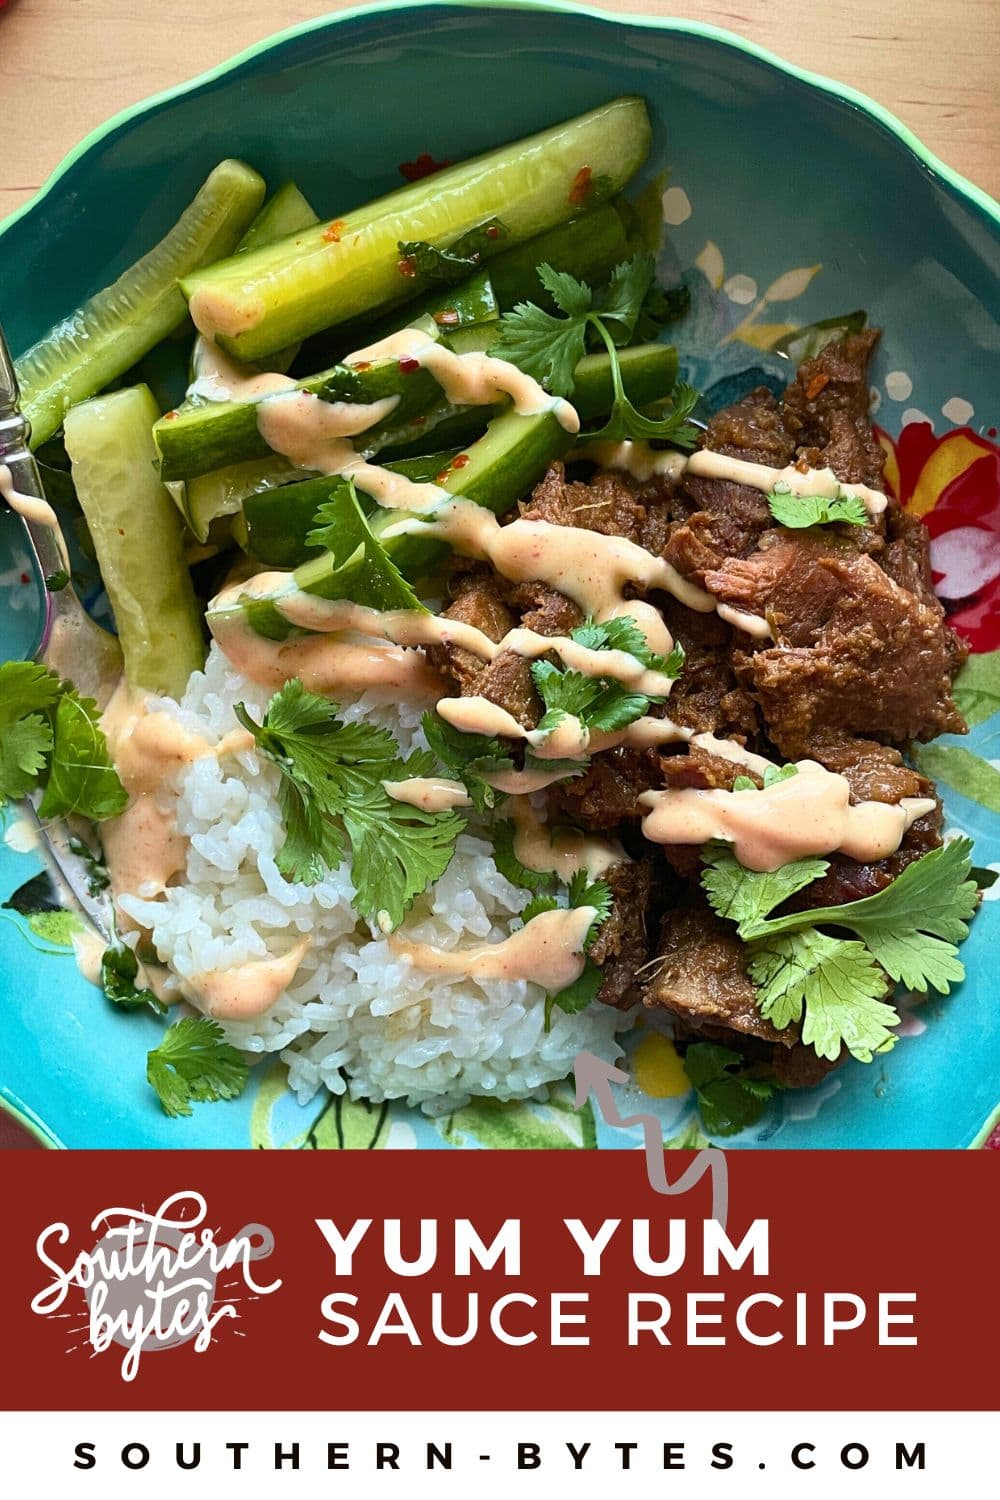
{"points": [[332, 799], [549, 347], [729, 1099], [836, 986], [602, 704], [581, 891], [799, 511], [469, 757], [363, 570], [50, 738], [195, 1064]]}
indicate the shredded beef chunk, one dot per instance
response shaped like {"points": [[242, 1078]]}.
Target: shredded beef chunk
{"points": [[702, 976], [622, 944], [727, 519], [707, 697], [607, 794], [855, 653], [827, 408], [611, 503]]}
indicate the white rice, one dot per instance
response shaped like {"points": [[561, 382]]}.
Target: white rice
{"points": [[353, 1008]]}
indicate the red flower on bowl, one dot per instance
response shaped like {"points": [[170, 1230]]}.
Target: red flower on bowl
{"points": [[952, 483]]}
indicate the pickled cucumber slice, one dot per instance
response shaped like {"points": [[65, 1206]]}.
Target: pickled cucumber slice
{"points": [[117, 326], [137, 535], [261, 301]]}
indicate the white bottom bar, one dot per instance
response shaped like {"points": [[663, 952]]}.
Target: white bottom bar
{"points": [[748, 1454]]}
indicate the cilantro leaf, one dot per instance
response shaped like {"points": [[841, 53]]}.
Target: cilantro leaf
{"points": [[545, 347], [364, 571], [119, 972], [746, 896], [27, 692], [745, 784], [622, 301], [626, 422], [549, 347], [536, 906], [510, 866], [578, 995], [621, 633], [461, 257], [912, 926], [51, 737], [332, 795], [24, 751], [469, 757], [601, 703], [82, 778], [838, 983], [193, 1064], [596, 893], [572, 297], [798, 511], [836, 987], [728, 1100]]}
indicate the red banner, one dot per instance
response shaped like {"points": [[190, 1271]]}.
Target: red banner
{"points": [[868, 1281]]}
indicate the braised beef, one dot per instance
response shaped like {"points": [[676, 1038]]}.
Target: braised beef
{"points": [[855, 653], [622, 944], [701, 976], [827, 408]]}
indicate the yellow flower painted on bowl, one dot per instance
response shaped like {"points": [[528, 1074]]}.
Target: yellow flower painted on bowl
{"points": [[657, 1068]]}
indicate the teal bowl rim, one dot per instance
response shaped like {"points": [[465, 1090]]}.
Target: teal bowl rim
{"points": [[880, 116], [981, 200]]}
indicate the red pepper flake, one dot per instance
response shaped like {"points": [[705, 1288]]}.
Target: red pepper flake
{"points": [[458, 462], [817, 384], [408, 366], [407, 266], [493, 232], [582, 186], [25, 578], [419, 421], [363, 364], [446, 318], [333, 231], [168, 416], [424, 166]]}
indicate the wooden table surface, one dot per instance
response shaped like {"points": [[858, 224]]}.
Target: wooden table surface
{"points": [[66, 65]]}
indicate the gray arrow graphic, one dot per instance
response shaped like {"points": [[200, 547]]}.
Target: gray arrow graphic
{"points": [[595, 1076]]}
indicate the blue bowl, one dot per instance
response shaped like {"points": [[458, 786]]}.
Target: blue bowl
{"points": [[790, 199]]}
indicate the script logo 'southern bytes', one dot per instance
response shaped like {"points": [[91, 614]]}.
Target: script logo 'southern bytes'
{"points": [[150, 1282]]}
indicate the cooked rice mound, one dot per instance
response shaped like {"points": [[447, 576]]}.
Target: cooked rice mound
{"points": [[353, 1008]]}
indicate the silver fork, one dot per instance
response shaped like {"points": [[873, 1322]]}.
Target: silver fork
{"points": [[68, 640]]}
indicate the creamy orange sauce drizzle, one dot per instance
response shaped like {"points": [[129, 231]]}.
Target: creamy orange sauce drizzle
{"points": [[246, 990], [214, 312], [639, 459], [548, 951], [809, 813], [39, 512], [705, 464], [219, 378], [430, 793], [562, 852], [754, 625], [471, 379]]}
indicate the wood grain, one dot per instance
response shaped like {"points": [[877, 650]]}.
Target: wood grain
{"points": [[66, 65]]}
